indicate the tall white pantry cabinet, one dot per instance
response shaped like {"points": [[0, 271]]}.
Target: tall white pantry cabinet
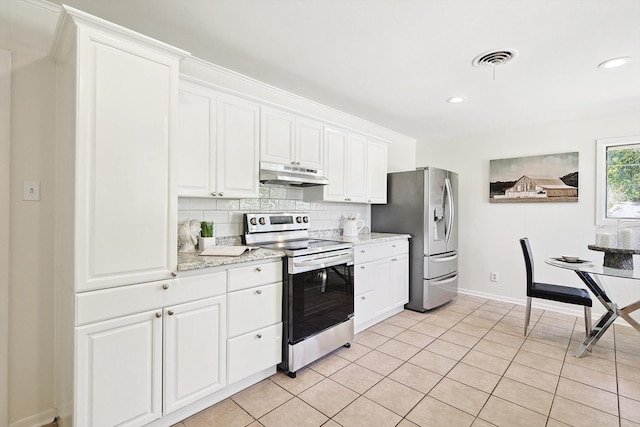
{"points": [[116, 219]]}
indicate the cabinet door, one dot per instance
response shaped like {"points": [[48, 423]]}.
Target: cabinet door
{"points": [[309, 148], [126, 134], [196, 140], [376, 172], [335, 143], [238, 148], [194, 351], [365, 310], [399, 279], [119, 371], [357, 169], [277, 133], [385, 290]]}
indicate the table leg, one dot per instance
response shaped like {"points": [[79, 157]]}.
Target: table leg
{"points": [[624, 313], [606, 320]]}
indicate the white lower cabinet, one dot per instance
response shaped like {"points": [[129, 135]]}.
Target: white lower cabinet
{"points": [[255, 319], [194, 351], [119, 371], [381, 281]]}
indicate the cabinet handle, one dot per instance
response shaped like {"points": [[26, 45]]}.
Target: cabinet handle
{"points": [[259, 336], [170, 312], [158, 315], [258, 269], [165, 286], [259, 291], [174, 274]]}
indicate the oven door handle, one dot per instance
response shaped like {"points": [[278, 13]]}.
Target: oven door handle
{"points": [[320, 263]]}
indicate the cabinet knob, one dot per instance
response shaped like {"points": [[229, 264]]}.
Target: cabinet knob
{"points": [[362, 267], [369, 200], [259, 336], [158, 315], [214, 194], [393, 246], [221, 194], [258, 269], [362, 251], [170, 312], [297, 163], [363, 297], [165, 286], [259, 292], [174, 274]]}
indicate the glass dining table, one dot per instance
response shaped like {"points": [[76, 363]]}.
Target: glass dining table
{"points": [[594, 277]]}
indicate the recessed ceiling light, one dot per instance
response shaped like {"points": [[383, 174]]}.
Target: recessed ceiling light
{"points": [[455, 100], [615, 62]]}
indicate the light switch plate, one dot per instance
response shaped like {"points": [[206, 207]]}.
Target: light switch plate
{"points": [[31, 190]]}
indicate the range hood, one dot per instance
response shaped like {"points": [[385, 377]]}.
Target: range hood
{"points": [[292, 176]]}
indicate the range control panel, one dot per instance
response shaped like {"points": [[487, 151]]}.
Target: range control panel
{"points": [[269, 222]]}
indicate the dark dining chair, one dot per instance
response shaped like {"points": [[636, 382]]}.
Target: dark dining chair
{"points": [[552, 292]]}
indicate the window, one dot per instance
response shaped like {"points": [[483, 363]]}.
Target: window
{"points": [[618, 180]]}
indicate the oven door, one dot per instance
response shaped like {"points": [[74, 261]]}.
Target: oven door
{"points": [[317, 300]]}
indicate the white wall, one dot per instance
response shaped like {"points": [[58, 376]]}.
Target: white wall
{"points": [[489, 232], [5, 152], [31, 244]]}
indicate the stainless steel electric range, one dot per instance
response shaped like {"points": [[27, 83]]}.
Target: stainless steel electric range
{"points": [[317, 303]]}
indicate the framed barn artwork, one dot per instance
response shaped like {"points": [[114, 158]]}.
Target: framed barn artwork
{"points": [[545, 178]]}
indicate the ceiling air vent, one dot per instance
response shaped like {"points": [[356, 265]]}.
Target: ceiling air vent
{"points": [[495, 58]]}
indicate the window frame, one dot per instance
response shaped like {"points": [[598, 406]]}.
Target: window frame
{"points": [[601, 175]]}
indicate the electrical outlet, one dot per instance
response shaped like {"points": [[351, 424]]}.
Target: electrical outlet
{"points": [[31, 190], [493, 276]]}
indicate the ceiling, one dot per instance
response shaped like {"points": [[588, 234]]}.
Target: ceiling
{"points": [[396, 62]]}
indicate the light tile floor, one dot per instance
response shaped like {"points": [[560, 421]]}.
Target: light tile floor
{"points": [[465, 364]]}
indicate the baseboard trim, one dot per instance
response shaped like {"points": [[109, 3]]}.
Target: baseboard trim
{"points": [[37, 420], [596, 311]]}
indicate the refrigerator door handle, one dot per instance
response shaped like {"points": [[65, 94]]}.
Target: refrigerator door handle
{"points": [[444, 281], [445, 259], [447, 230]]}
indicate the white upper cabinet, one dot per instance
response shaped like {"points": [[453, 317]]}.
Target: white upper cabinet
{"points": [[352, 178], [288, 139], [118, 201], [217, 143], [356, 169], [376, 172]]}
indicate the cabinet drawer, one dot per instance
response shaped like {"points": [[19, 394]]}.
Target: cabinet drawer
{"points": [[363, 253], [254, 308], [392, 248], [255, 275], [253, 352], [115, 302]]}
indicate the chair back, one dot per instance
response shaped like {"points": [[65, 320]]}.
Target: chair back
{"points": [[528, 262]]}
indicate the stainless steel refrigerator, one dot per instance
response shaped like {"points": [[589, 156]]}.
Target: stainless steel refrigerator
{"points": [[423, 203]]}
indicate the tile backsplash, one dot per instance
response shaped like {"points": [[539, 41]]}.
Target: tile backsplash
{"points": [[226, 214]]}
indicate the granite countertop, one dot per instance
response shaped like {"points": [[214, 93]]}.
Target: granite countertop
{"points": [[193, 261], [368, 238]]}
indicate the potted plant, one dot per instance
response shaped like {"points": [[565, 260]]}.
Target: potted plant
{"points": [[206, 238]]}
